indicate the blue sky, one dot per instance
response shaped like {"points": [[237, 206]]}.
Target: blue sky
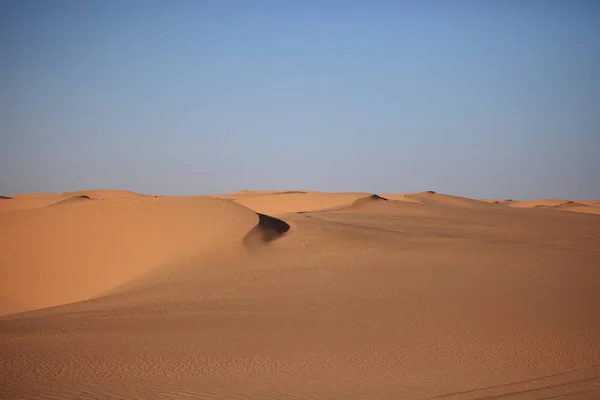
{"points": [[497, 98]]}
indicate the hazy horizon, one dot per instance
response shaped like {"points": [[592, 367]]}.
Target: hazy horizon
{"points": [[497, 99]]}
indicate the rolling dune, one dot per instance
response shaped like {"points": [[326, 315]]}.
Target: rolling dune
{"points": [[341, 296], [538, 203], [100, 194], [82, 247], [16, 202], [574, 206], [277, 203], [38, 200], [587, 207], [401, 197], [438, 199], [71, 200]]}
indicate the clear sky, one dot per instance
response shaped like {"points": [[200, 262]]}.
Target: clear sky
{"points": [[497, 98]]}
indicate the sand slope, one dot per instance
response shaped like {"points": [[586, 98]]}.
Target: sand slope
{"points": [[277, 203], [538, 203], [38, 200], [439, 199], [587, 207], [11, 306], [15, 202], [345, 296], [78, 247]]}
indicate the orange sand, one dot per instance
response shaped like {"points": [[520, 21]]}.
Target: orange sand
{"points": [[298, 295]]}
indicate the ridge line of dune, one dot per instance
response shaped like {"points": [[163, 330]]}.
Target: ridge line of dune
{"points": [[367, 198]]}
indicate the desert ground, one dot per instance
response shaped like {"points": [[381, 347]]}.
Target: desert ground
{"points": [[298, 295]]}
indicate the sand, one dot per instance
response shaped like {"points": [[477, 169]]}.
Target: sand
{"points": [[298, 295]]}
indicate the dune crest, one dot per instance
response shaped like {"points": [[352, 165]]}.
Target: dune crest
{"points": [[574, 206], [586, 207], [100, 194], [366, 202], [434, 198], [401, 197], [71, 200], [290, 202], [18, 202], [27, 201], [538, 203]]}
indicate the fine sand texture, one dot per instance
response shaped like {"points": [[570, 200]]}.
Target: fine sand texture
{"points": [[298, 295]]}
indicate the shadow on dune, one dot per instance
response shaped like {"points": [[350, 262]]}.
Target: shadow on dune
{"points": [[5, 198], [267, 230], [376, 197]]}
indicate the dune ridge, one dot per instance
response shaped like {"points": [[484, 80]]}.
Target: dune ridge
{"points": [[28, 201], [71, 200], [431, 197], [279, 203], [587, 207], [538, 202], [100, 194]]}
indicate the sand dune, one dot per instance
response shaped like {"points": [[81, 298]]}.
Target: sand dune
{"points": [[16, 202], [574, 206], [439, 199], [100, 194], [499, 201], [538, 202], [401, 197], [570, 203], [71, 200], [594, 203], [277, 203], [86, 246], [31, 195], [239, 194], [38, 200], [343, 296], [587, 207], [371, 203]]}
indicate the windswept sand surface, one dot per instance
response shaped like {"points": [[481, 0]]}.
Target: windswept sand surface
{"points": [[298, 295]]}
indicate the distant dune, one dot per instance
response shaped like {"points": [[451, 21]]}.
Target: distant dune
{"points": [[100, 194], [432, 197], [578, 207], [71, 200], [298, 294], [499, 201], [38, 200], [277, 203], [401, 197], [16, 202], [588, 207]]}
